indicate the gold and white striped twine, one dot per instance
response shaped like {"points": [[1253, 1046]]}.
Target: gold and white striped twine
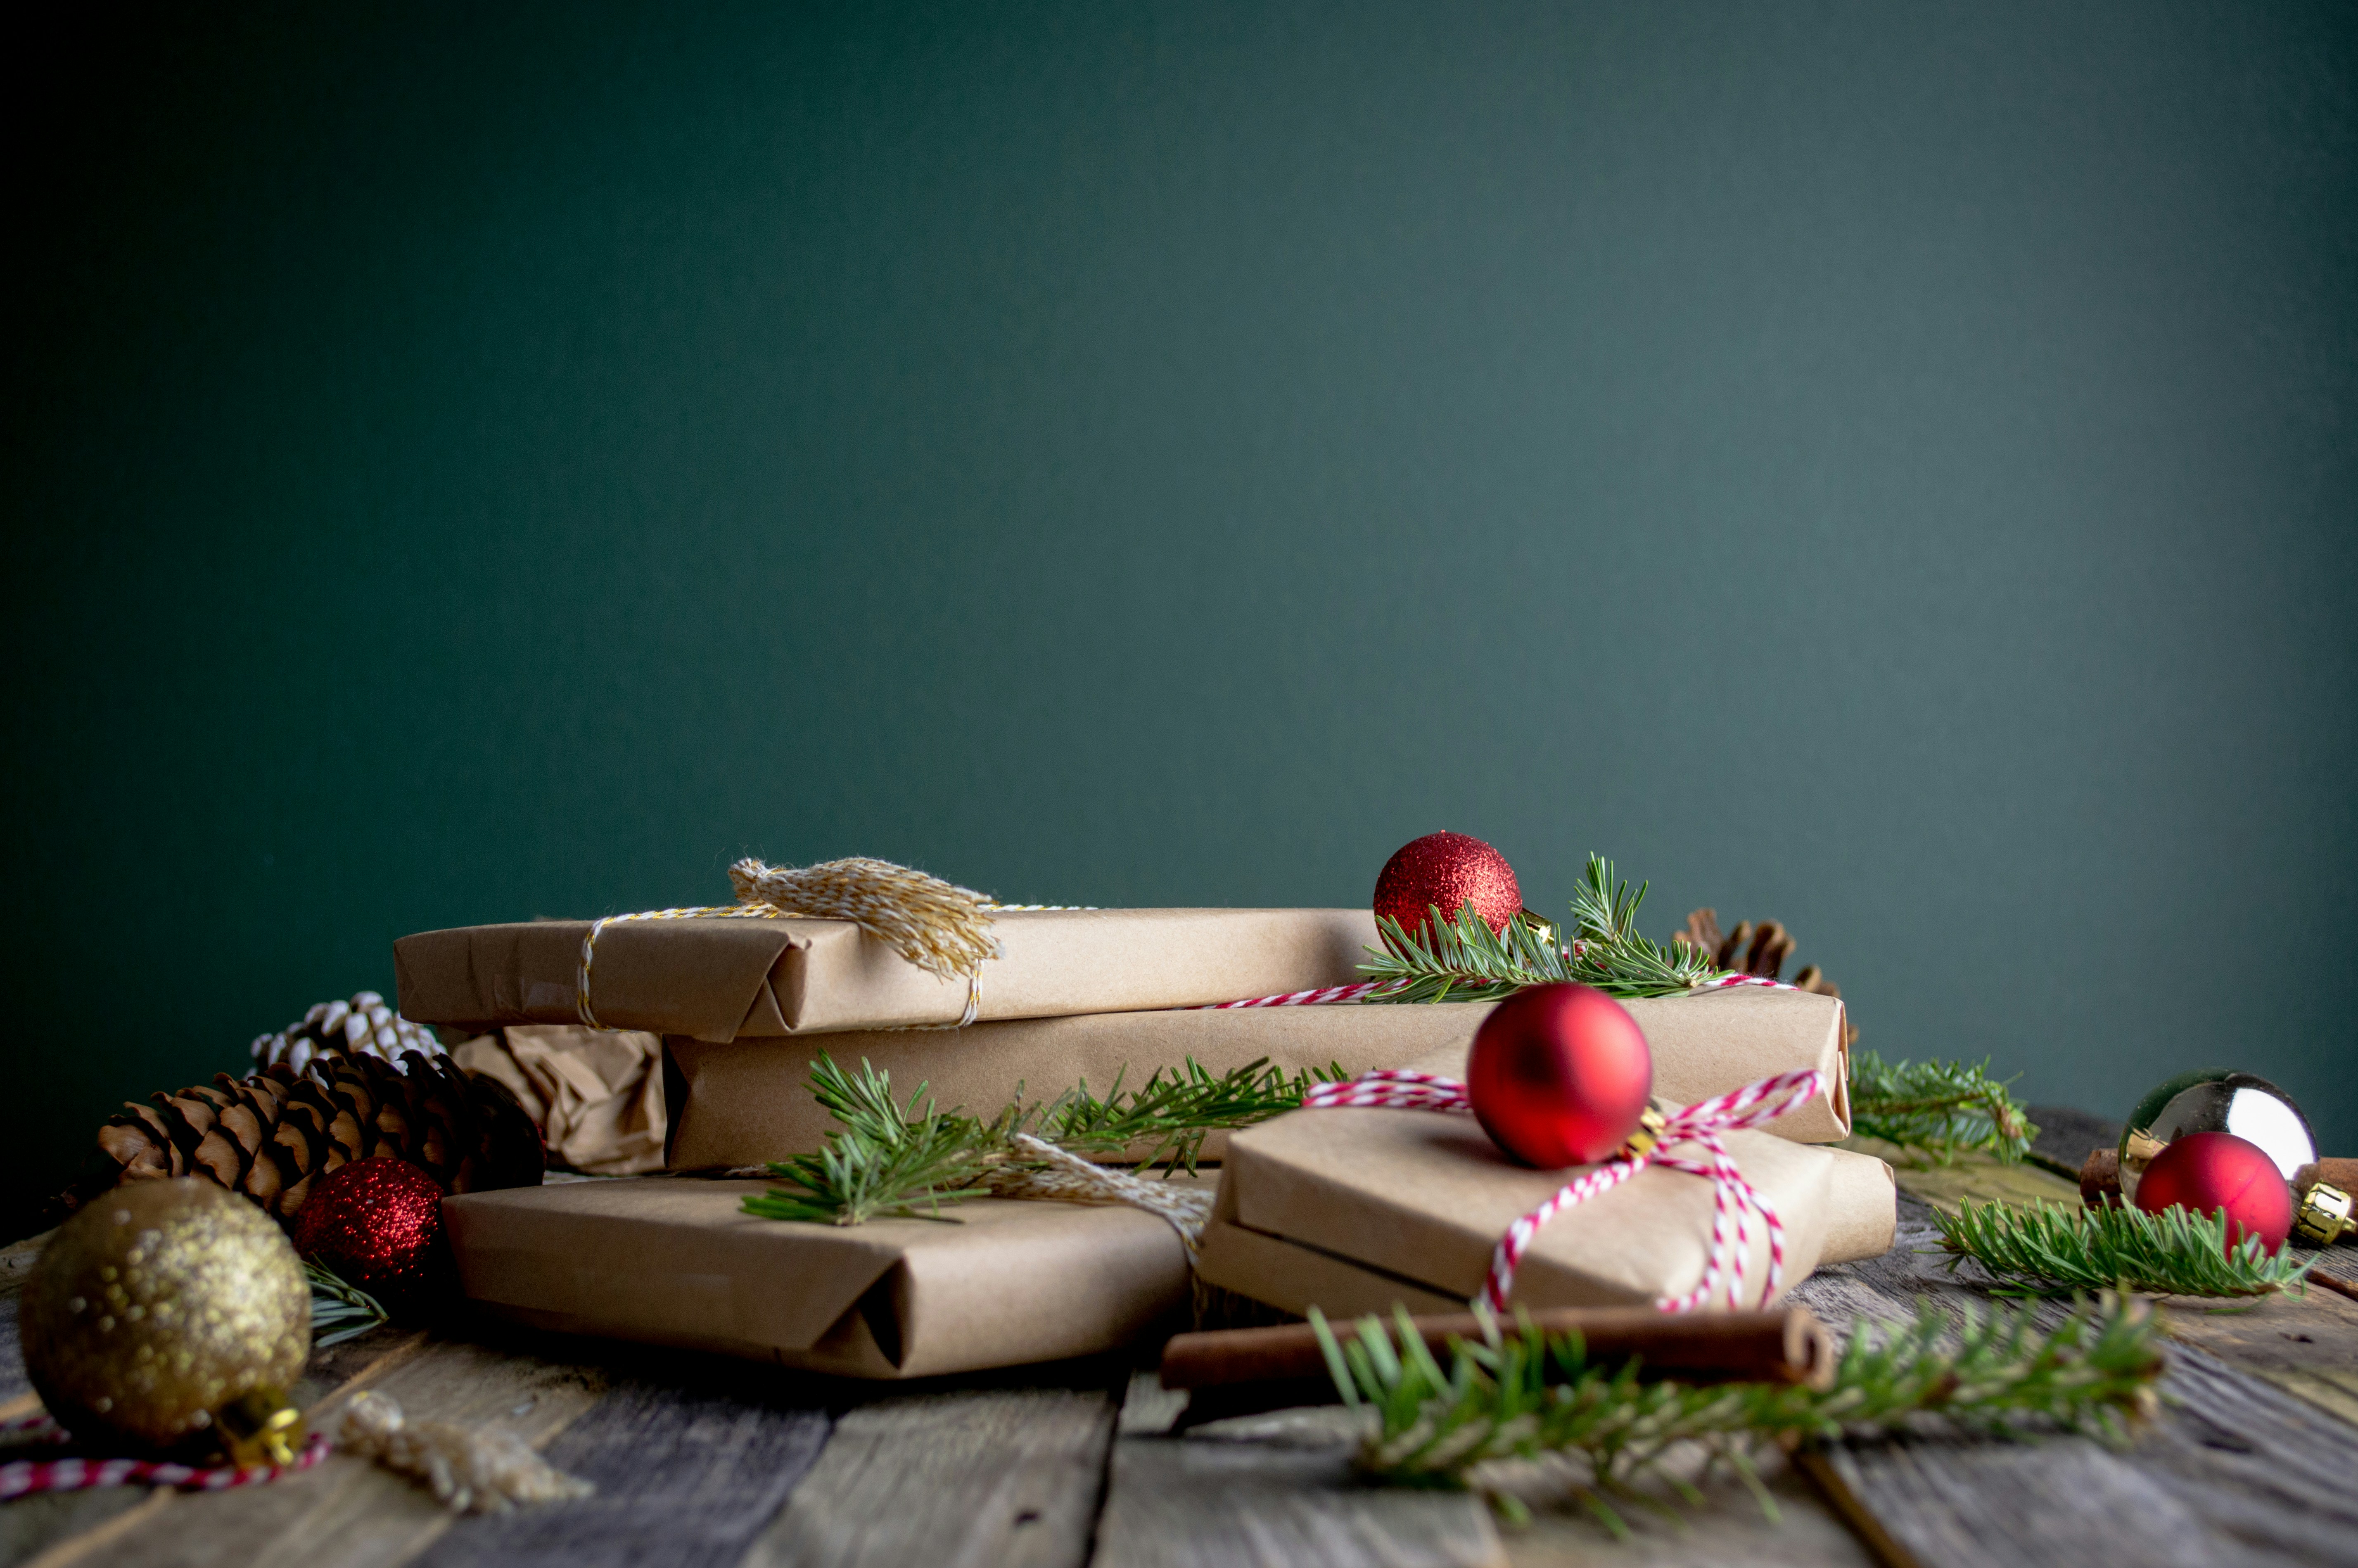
{"points": [[940, 927]]}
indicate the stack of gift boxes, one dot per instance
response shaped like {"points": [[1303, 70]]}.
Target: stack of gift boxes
{"points": [[1348, 1210]]}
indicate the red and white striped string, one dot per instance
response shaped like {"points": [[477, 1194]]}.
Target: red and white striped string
{"points": [[1734, 1197], [1366, 989], [26, 1477]]}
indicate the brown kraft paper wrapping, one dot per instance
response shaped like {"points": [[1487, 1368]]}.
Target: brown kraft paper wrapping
{"points": [[727, 980], [1862, 1220], [674, 1261], [1420, 1199], [747, 1102]]}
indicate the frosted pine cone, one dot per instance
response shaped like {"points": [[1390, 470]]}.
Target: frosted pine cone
{"points": [[364, 1026]]}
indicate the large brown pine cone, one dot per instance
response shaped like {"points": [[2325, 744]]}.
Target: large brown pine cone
{"points": [[272, 1135]]}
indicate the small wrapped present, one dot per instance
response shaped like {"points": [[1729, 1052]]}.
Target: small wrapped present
{"points": [[1363, 1202], [676, 1260], [744, 1102], [1861, 1222]]}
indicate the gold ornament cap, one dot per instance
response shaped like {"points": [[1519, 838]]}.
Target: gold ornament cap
{"points": [[2323, 1217], [261, 1428], [1652, 1125]]}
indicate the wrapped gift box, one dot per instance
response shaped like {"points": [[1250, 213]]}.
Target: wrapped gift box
{"points": [[676, 1260], [717, 980], [1861, 1222], [1378, 1205], [743, 1102]]}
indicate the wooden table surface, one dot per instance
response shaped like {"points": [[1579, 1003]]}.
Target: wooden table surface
{"points": [[706, 1462]]}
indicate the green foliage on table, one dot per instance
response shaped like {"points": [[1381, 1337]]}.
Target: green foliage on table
{"points": [[340, 1310], [887, 1157], [1531, 1395], [2056, 1250], [1940, 1109]]}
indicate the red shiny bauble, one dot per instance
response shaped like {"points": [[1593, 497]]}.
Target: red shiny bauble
{"points": [[377, 1223], [1559, 1075], [2208, 1172], [1448, 870]]}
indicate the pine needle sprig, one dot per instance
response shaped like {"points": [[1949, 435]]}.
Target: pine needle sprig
{"points": [[1170, 1115], [1529, 1395], [1462, 959], [887, 1157], [881, 1158], [340, 1310], [1940, 1109], [2052, 1249]]}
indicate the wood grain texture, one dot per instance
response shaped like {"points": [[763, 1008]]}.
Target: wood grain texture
{"points": [[951, 1479], [686, 1476], [2237, 1470], [1271, 1489], [349, 1513]]}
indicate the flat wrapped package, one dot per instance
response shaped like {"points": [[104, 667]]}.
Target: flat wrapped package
{"points": [[717, 980], [676, 1260], [1352, 1209], [746, 1101]]}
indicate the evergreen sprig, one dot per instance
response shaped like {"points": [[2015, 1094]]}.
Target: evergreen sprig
{"points": [[2052, 1249], [886, 1157], [340, 1310], [1532, 1395], [1462, 959], [881, 1158], [1940, 1109]]}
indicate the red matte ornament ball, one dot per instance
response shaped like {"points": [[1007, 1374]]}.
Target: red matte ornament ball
{"points": [[377, 1223], [1448, 870], [2209, 1171], [1559, 1075]]}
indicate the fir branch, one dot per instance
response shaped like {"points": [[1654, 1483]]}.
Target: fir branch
{"points": [[1462, 959], [1171, 1116], [2054, 1249], [1940, 1109], [1529, 1395], [339, 1311], [884, 1157]]}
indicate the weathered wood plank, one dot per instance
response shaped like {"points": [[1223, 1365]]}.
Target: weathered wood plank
{"points": [[1726, 1530], [688, 1472], [950, 1478], [349, 1512], [1274, 1490]]}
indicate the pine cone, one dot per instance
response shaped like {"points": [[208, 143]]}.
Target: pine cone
{"points": [[1758, 950], [271, 1136], [362, 1026]]}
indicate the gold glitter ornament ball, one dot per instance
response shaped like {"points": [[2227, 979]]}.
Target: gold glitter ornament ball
{"points": [[159, 1304]]}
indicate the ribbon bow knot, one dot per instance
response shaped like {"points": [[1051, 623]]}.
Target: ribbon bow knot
{"points": [[1734, 1197]]}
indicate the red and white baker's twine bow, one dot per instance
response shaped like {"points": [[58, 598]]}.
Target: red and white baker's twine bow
{"points": [[26, 1477], [1734, 1198]]}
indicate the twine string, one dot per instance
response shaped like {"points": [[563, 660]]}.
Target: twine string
{"points": [[1734, 1197]]}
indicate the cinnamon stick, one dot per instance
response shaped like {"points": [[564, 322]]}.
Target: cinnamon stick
{"points": [[1235, 1371]]}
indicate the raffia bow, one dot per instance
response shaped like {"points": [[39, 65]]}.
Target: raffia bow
{"points": [[940, 927]]}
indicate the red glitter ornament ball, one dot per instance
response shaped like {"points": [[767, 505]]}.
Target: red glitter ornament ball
{"points": [[1448, 871], [1559, 1075], [2208, 1172], [378, 1224]]}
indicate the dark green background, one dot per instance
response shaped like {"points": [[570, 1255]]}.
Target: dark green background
{"points": [[1890, 468]]}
